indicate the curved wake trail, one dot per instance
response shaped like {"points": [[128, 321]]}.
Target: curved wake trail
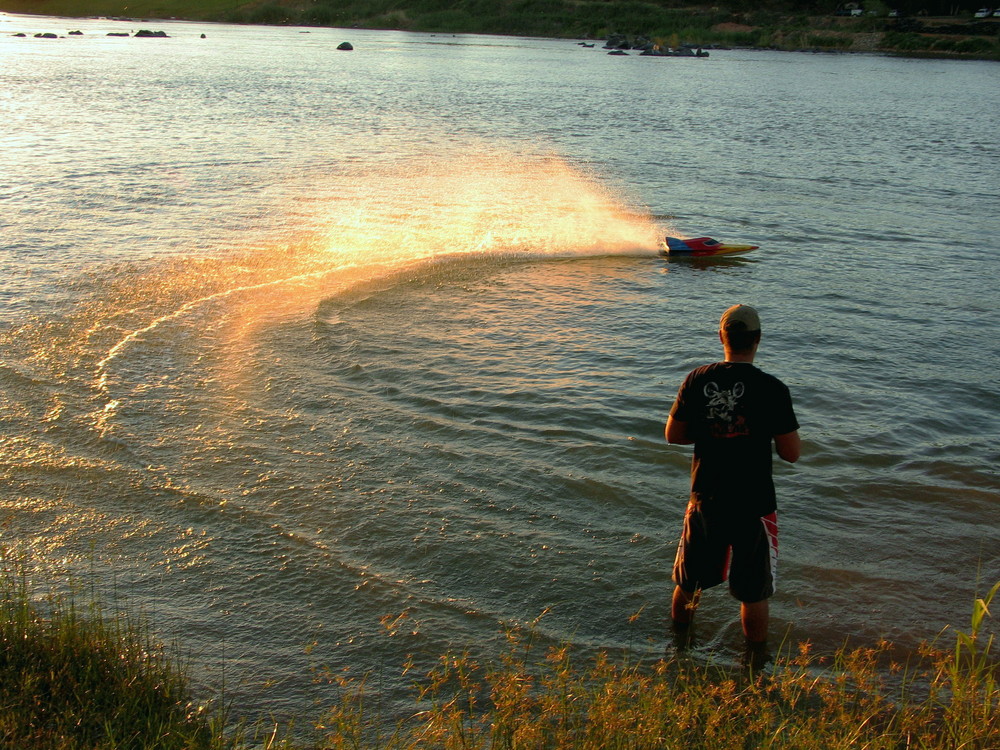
{"points": [[484, 202], [102, 365]]}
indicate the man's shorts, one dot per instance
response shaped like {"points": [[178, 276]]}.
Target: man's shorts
{"points": [[713, 550]]}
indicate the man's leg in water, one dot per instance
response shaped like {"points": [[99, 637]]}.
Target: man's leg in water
{"points": [[754, 617], [682, 607]]}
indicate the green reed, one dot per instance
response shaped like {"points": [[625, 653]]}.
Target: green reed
{"points": [[71, 677]]}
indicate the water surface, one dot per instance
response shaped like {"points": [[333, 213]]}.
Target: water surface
{"points": [[298, 341]]}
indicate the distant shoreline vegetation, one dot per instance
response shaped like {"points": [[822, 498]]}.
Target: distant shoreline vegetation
{"points": [[908, 27]]}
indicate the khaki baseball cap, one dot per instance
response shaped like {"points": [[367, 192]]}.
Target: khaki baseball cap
{"points": [[740, 318]]}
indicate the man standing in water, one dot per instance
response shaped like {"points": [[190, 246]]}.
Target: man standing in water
{"points": [[731, 411]]}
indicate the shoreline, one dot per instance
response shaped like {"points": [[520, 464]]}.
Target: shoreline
{"points": [[89, 675], [924, 38]]}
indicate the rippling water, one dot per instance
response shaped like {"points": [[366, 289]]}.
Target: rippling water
{"points": [[295, 340]]}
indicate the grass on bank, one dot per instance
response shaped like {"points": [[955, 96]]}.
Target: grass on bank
{"points": [[75, 680], [858, 698]]}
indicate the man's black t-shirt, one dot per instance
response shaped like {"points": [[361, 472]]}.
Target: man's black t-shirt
{"points": [[732, 411]]}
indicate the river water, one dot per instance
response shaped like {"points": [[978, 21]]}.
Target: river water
{"points": [[299, 342]]}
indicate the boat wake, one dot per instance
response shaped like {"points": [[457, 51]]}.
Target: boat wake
{"points": [[373, 221]]}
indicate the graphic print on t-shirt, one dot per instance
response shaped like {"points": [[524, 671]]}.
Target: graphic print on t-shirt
{"points": [[723, 415]]}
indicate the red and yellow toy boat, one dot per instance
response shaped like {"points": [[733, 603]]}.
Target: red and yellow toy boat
{"points": [[700, 247]]}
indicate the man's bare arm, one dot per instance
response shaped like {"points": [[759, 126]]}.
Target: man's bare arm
{"points": [[789, 446], [677, 432]]}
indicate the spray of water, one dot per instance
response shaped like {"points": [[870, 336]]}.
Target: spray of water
{"points": [[493, 202], [376, 219]]}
